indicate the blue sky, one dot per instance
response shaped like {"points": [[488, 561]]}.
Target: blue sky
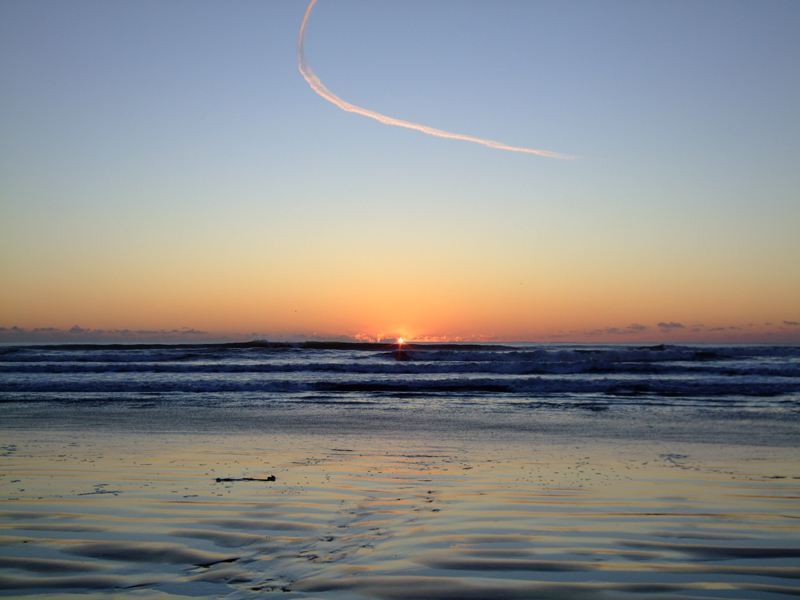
{"points": [[155, 153]]}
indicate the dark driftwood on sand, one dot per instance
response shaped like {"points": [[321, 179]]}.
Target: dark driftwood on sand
{"points": [[223, 479]]}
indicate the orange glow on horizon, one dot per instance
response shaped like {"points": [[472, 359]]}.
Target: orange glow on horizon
{"points": [[451, 292]]}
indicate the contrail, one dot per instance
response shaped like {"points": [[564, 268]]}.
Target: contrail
{"points": [[320, 89]]}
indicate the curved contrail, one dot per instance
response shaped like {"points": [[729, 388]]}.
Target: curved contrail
{"points": [[320, 89]]}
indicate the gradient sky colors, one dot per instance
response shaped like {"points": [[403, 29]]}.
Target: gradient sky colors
{"points": [[163, 165]]}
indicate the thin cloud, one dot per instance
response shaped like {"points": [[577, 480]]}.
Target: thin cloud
{"points": [[55, 334], [321, 90], [667, 326], [633, 328]]}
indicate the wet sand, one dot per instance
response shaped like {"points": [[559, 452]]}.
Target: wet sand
{"points": [[136, 510]]}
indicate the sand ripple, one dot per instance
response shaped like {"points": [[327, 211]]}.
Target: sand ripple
{"points": [[380, 517]]}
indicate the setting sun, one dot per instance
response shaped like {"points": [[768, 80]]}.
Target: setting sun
{"points": [[205, 254]]}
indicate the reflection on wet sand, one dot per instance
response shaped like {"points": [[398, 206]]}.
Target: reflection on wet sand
{"points": [[391, 518]]}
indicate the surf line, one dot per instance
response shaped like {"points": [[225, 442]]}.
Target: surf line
{"points": [[321, 90]]}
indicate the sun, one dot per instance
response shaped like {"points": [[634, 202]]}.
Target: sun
{"points": [[400, 341]]}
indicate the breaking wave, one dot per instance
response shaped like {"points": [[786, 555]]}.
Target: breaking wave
{"points": [[356, 372]]}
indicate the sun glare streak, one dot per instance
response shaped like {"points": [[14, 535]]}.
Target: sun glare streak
{"points": [[320, 89]]}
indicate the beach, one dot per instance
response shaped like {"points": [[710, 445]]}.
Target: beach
{"points": [[399, 300], [148, 508], [197, 495]]}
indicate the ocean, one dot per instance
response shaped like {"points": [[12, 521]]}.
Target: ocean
{"points": [[487, 377], [428, 472]]}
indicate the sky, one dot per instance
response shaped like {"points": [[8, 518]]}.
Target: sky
{"points": [[166, 172]]}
